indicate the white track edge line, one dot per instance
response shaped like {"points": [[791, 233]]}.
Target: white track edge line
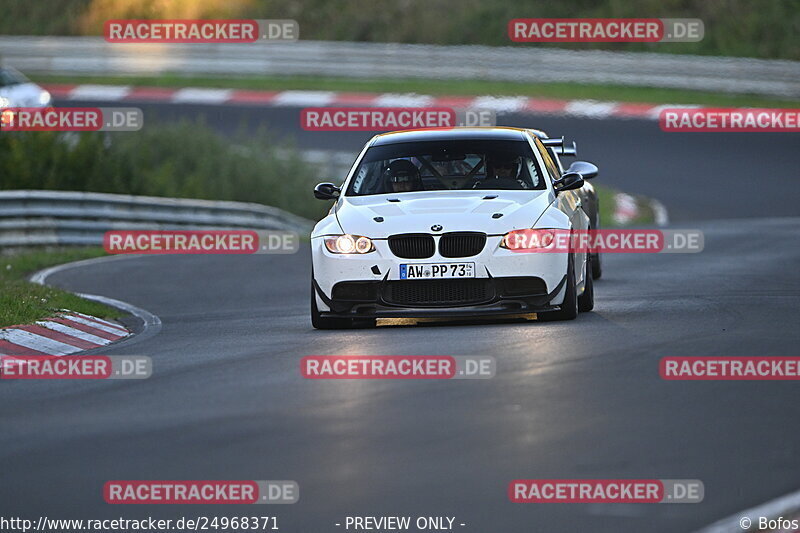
{"points": [[771, 509], [151, 324]]}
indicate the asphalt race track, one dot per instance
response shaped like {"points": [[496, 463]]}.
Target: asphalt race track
{"points": [[579, 400]]}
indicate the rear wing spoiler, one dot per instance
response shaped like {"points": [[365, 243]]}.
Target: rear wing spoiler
{"points": [[560, 146]]}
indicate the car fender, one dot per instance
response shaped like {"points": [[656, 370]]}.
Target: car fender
{"points": [[553, 218], [327, 226]]}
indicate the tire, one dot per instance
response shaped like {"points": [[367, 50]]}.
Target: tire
{"points": [[586, 300], [324, 322], [597, 270], [569, 309]]}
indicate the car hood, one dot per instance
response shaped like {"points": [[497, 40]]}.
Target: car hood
{"points": [[453, 210]]}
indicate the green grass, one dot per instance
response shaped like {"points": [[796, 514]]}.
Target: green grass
{"points": [[23, 302], [568, 91]]}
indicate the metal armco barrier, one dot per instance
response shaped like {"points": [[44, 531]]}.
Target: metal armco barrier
{"points": [[37, 218], [532, 64]]}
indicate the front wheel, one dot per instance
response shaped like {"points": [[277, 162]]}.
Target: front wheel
{"points": [[569, 309]]}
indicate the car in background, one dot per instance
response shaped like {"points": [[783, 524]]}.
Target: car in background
{"points": [[18, 91], [588, 195], [425, 226]]}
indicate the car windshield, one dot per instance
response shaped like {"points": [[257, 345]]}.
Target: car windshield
{"points": [[11, 77], [447, 165]]}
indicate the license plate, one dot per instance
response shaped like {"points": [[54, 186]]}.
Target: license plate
{"points": [[437, 270]]}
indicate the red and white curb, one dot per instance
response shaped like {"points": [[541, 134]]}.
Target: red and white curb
{"points": [[627, 209], [63, 334], [500, 104], [151, 324]]}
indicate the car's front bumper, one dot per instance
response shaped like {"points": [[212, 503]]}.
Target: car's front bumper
{"points": [[368, 285], [498, 301]]}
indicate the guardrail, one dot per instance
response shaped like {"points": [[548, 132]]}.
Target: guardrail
{"points": [[531, 64], [37, 218]]}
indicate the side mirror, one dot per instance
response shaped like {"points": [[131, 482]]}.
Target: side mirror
{"points": [[569, 181], [327, 191], [584, 168]]}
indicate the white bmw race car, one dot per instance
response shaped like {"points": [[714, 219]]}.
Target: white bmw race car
{"points": [[18, 91], [422, 227]]}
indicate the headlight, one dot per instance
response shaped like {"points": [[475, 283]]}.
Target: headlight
{"points": [[349, 244], [528, 239], [44, 98], [6, 116]]}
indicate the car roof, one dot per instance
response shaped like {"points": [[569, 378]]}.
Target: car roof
{"points": [[450, 134]]}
